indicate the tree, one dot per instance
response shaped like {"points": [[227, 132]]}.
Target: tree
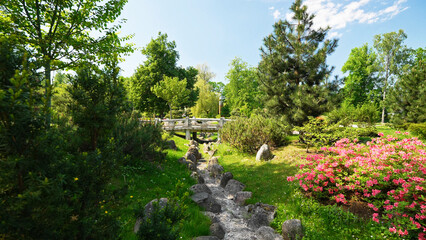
{"points": [[58, 32], [293, 67], [408, 97], [242, 93], [391, 57], [172, 90], [207, 104], [161, 61], [361, 83]]}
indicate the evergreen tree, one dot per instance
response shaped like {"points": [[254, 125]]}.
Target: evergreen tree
{"points": [[293, 68], [408, 97]]}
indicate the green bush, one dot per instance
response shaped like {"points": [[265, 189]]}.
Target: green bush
{"points": [[317, 132], [418, 129], [347, 114], [248, 134]]}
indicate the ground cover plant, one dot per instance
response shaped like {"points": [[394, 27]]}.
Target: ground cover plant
{"points": [[386, 173]]}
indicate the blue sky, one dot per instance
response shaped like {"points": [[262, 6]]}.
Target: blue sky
{"points": [[216, 31]]}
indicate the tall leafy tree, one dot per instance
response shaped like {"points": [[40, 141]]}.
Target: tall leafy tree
{"points": [[172, 90], [161, 61], [391, 55], [207, 104], [242, 93], [293, 67], [58, 32], [408, 97], [361, 83]]}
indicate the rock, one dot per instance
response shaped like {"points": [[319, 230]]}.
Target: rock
{"points": [[149, 209], [213, 160], [172, 145], [206, 148], [191, 157], [201, 179], [212, 152], [241, 197], [206, 201], [225, 179], [292, 229], [264, 153], [270, 209], [267, 233], [199, 188], [217, 230], [212, 216], [191, 165], [182, 160], [193, 143], [233, 186], [194, 150], [206, 238], [197, 177], [215, 170], [258, 219]]}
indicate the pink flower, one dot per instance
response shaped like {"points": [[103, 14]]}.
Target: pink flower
{"points": [[375, 192], [380, 134], [392, 230], [290, 179]]}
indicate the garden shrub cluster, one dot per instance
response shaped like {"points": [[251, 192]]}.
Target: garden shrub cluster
{"points": [[319, 132], [56, 176], [248, 134], [347, 114], [387, 173], [418, 129]]}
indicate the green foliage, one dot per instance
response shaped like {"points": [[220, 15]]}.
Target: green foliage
{"points": [[242, 94], [319, 133], [391, 54], [348, 114], [172, 90], [249, 134], [362, 82], [96, 100], [418, 129], [408, 97], [207, 104], [293, 67], [161, 61], [142, 142], [164, 223]]}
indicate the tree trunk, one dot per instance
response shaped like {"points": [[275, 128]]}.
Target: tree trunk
{"points": [[170, 106], [48, 91]]}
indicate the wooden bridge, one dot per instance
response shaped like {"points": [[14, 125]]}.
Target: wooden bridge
{"points": [[193, 125]]}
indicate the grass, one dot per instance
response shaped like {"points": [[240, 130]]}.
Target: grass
{"points": [[152, 181], [267, 181]]}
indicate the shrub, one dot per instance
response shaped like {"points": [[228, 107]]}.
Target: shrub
{"points": [[318, 132], [347, 114], [418, 129], [387, 173], [248, 134]]}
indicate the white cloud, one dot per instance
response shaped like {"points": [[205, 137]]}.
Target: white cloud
{"points": [[338, 14], [276, 14]]}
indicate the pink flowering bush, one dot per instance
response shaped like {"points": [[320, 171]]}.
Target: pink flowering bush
{"points": [[387, 173]]}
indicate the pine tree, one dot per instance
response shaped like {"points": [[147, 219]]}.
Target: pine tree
{"points": [[293, 68]]}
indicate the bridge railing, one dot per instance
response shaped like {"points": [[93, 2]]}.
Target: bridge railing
{"points": [[189, 125]]}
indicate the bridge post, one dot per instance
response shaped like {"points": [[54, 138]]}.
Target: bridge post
{"points": [[187, 124]]}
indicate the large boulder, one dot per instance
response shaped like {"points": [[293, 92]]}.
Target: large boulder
{"points": [[233, 186], [258, 219], [217, 230], [191, 157], [199, 188], [225, 179], [267, 233], [292, 229], [213, 160], [264, 153], [149, 209], [171, 145], [241, 197], [206, 201], [194, 150], [215, 170]]}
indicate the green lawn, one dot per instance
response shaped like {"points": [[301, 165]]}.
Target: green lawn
{"points": [[158, 180]]}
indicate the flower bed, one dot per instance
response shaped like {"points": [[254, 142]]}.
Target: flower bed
{"points": [[387, 173]]}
